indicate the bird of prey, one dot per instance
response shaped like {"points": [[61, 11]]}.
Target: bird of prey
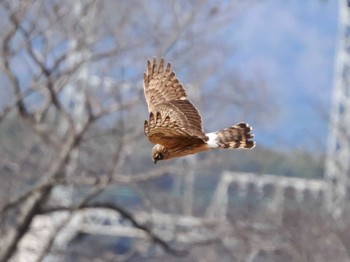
{"points": [[175, 125]]}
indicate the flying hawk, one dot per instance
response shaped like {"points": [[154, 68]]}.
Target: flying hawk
{"points": [[175, 125]]}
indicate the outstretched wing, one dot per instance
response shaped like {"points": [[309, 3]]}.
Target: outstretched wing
{"points": [[173, 118], [161, 85], [163, 130]]}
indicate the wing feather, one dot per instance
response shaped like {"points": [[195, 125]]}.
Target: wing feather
{"points": [[161, 86], [184, 114], [163, 130], [173, 119]]}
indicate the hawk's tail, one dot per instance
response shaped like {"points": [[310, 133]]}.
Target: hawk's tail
{"points": [[237, 136]]}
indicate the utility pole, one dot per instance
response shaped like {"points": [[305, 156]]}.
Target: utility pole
{"points": [[337, 169]]}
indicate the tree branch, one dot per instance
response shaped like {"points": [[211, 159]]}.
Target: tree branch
{"points": [[34, 201], [127, 215]]}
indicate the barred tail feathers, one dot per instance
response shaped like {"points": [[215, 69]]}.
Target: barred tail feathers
{"points": [[237, 136]]}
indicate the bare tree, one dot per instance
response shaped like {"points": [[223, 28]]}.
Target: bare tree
{"points": [[73, 90]]}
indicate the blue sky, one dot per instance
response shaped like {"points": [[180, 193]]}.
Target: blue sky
{"points": [[293, 44]]}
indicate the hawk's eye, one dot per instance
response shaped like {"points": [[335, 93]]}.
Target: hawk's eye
{"points": [[159, 156]]}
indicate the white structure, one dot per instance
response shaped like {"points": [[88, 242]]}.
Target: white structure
{"points": [[317, 188], [338, 159]]}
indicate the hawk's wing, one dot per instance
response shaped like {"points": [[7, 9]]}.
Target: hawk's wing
{"points": [[162, 129], [161, 85], [173, 119]]}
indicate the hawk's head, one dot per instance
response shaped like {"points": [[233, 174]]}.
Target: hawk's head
{"points": [[159, 152]]}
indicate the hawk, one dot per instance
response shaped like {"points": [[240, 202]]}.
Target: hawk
{"points": [[175, 125]]}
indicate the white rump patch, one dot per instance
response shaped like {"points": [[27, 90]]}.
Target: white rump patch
{"points": [[212, 142]]}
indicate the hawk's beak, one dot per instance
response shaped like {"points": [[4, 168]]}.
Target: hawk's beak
{"points": [[155, 161]]}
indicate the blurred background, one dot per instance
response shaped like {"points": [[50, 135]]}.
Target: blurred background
{"points": [[77, 179]]}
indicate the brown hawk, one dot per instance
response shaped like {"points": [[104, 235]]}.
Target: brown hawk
{"points": [[175, 125]]}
